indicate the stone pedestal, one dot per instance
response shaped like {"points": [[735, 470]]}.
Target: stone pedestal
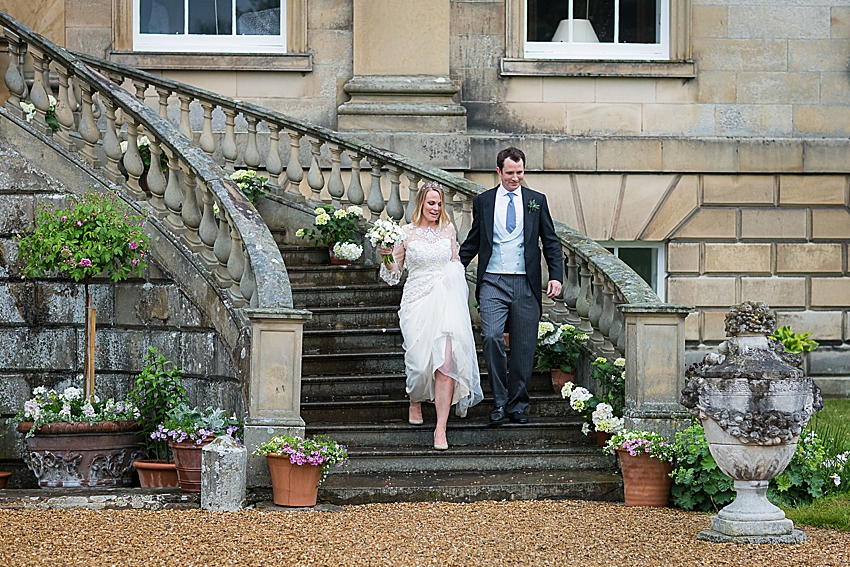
{"points": [[223, 466], [274, 397]]}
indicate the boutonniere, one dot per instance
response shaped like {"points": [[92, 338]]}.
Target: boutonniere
{"points": [[533, 206]]}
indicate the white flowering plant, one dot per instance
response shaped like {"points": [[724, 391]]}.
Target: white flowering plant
{"points": [[320, 451], [386, 234], [558, 346], [610, 374], [582, 401], [49, 117], [48, 406], [636, 442], [347, 251], [604, 419], [333, 225], [252, 185]]}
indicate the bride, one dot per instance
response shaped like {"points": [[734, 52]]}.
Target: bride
{"points": [[440, 359]]}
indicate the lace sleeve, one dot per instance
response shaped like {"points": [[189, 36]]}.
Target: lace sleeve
{"points": [[391, 273], [453, 237]]}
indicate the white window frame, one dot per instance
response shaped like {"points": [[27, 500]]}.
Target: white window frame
{"points": [[659, 286], [608, 51], [192, 43]]}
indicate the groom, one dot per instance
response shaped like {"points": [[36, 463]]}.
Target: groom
{"points": [[507, 222]]}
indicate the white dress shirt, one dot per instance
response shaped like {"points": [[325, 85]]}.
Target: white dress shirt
{"points": [[502, 201]]}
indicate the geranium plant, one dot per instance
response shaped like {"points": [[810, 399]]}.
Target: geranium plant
{"points": [[320, 451], [558, 347], [70, 406], [253, 186], [194, 424], [636, 442], [333, 225]]}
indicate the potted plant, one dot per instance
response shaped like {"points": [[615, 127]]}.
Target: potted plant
{"points": [[558, 350], [75, 441], [157, 390], [646, 460], [597, 414], [298, 466], [252, 185], [187, 430], [332, 227]]}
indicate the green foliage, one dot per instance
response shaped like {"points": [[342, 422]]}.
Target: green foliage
{"points": [[183, 422], [320, 451], [333, 225], [636, 442], [611, 377], [94, 234], [802, 481], [794, 342], [252, 185], [157, 390], [832, 512], [558, 347], [698, 484]]}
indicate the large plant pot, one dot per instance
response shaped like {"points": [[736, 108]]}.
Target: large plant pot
{"points": [[4, 478], [646, 480], [187, 459], [602, 437], [83, 454], [560, 378], [156, 474], [293, 485]]}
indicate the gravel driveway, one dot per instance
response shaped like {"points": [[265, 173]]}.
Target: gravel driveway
{"points": [[483, 534]]}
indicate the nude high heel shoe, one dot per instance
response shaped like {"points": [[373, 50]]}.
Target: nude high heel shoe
{"points": [[440, 446], [411, 420]]}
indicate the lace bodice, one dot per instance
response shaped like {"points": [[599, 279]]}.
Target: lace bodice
{"points": [[424, 253]]}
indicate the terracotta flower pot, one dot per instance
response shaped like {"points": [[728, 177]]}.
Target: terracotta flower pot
{"points": [[187, 459], [83, 454], [156, 474], [559, 378], [293, 485], [646, 480], [4, 478], [602, 438], [334, 260]]}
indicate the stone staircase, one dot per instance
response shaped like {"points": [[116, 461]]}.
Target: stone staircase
{"points": [[353, 390]]}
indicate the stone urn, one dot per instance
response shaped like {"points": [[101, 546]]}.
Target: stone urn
{"points": [[753, 401]]}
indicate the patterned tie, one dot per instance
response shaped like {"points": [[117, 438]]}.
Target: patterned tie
{"points": [[510, 218]]}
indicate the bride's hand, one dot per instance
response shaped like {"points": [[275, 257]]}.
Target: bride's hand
{"points": [[385, 251]]}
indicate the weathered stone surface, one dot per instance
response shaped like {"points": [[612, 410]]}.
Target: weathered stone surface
{"points": [[737, 257], [602, 119], [599, 195], [692, 155], [812, 189], [710, 21], [777, 292], [709, 223], [683, 257], [830, 292], [830, 361], [770, 155], [714, 325], [679, 202], [678, 119], [716, 54], [16, 214], [639, 200], [831, 224], [808, 258], [13, 307], [824, 325], [628, 155], [769, 22], [738, 189], [223, 473], [773, 223], [702, 291], [569, 89], [570, 154]]}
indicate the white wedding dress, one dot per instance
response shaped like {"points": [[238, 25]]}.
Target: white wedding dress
{"points": [[434, 316]]}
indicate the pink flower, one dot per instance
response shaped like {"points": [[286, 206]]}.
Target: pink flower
{"points": [[134, 245], [135, 261], [64, 219], [79, 223], [85, 263]]}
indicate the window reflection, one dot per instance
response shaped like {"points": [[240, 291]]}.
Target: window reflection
{"points": [[258, 17], [594, 21], [210, 17], [161, 16]]}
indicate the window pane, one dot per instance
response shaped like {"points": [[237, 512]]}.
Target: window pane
{"points": [[210, 17], [543, 17], [258, 17], [639, 21], [601, 16], [161, 16], [642, 261]]}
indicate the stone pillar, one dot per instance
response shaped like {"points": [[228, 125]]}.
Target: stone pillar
{"points": [[401, 79], [274, 392], [223, 464], [655, 367]]}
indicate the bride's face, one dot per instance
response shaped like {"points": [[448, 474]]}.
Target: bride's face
{"points": [[432, 207]]}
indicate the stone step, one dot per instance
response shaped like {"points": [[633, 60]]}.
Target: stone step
{"points": [[506, 457], [388, 386], [310, 275], [376, 317], [299, 255], [365, 361], [471, 486], [382, 411], [345, 296], [461, 432], [317, 341]]}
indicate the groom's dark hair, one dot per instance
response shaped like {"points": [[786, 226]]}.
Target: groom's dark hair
{"points": [[514, 153]]}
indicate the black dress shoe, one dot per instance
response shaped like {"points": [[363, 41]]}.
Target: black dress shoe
{"points": [[519, 417], [498, 414]]}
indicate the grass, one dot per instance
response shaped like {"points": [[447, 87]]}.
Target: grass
{"points": [[833, 424]]}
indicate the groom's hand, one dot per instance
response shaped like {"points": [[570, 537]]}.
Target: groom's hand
{"points": [[553, 289]]}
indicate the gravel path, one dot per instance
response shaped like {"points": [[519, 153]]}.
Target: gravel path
{"points": [[477, 534]]}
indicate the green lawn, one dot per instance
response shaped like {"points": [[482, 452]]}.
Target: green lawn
{"points": [[833, 421], [832, 513]]}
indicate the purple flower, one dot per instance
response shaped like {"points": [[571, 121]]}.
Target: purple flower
{"points": [[135, 261], [64, 219], [79, 223], [85, 263], [134, 245]]}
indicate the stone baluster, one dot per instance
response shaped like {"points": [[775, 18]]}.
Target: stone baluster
{"points": [[208, 229], [395, 210], [583, 299], [571, 289], [14, 78], [315, 179], [273, 164], [236, 266], [412, 191], [252, 153], [190, 213], [248, 284], [65, 116], [465, 223], [547, 304], [133, 161], [559, 310], [207, 140], [141, 87], [294, 171], [185, 125], [95, 106], [375, 201], [606, 320], [221, 249], [619, 326], [88, 128], [163, 101], [336, 188], [156, 179], [594, 311], [38, 93], [355, 189], [174, 195], [229, 150], [111, 145]]}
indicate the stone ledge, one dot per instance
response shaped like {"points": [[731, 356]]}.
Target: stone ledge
{"points": [[295, 62], [98, 499], [509, 66]]}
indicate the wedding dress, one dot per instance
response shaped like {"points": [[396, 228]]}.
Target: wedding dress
{"points": [[434, 315]]}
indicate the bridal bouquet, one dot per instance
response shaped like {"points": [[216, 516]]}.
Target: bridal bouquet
{"points": [[386, 234]]}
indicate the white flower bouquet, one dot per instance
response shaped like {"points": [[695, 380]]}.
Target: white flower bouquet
{"points": [[386, 234]]}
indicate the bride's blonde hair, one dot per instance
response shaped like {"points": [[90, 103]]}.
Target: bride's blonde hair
{"points": [[419, 204]]}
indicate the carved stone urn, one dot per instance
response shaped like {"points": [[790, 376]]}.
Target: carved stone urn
{"points": [[753, 400]]}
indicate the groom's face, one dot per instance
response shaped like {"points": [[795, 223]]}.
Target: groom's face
{"points": [[511, 174]]}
